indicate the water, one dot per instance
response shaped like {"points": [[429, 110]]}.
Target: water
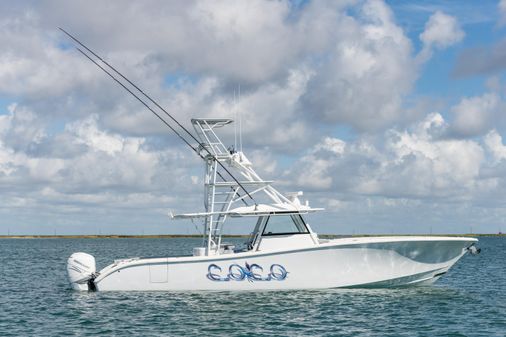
{"points": [[35, 299]]}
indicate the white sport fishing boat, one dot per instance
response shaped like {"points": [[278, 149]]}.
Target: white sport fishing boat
{"points": [[282, 252]]}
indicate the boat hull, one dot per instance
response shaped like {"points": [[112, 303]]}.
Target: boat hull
{"points": [[353, 262]]}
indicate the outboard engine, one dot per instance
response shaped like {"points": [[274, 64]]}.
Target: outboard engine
{"points": [[81, 270], [473, 250]]}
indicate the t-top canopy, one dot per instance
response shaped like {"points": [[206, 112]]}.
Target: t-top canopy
{"points": [[256, 210], [214, 122]]}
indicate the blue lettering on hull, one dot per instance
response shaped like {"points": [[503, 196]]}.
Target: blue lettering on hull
{"points": [[251, 272]]}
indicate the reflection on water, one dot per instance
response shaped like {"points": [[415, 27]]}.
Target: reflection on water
{"points": [[36, 299]]}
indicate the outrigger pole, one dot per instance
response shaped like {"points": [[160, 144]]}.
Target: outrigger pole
{"points": [[153, 111]]}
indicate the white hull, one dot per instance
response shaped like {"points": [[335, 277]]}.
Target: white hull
{"points": [[350, 262]]}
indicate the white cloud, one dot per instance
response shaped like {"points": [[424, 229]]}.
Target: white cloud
{"points": [[265, 162], [339, 58], [493, 141], [103, 166], [502, 12], [334, 145], [413, 164], [365, 74], [241, 41], [473, 116], [32, 65], [254, 37], [441, 31], [431, 167], [318, 176], [87, 133]]}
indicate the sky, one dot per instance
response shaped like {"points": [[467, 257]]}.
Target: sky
{"points": [[388, 114]]}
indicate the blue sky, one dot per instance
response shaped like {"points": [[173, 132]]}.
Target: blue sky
{"points": [[436, 78], [390, 114]]}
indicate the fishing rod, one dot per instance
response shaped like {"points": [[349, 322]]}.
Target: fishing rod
{"points": [[150, 109], [130, 82], [140, 100], [165, 122]]}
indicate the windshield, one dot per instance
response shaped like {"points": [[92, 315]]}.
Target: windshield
{"points": [[288, 224]]}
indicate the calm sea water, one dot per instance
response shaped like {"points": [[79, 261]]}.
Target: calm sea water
{"points": [[35, 299]]}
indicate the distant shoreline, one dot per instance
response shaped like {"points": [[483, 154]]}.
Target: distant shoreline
{"points": [[173, 236], [109, 236]]}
